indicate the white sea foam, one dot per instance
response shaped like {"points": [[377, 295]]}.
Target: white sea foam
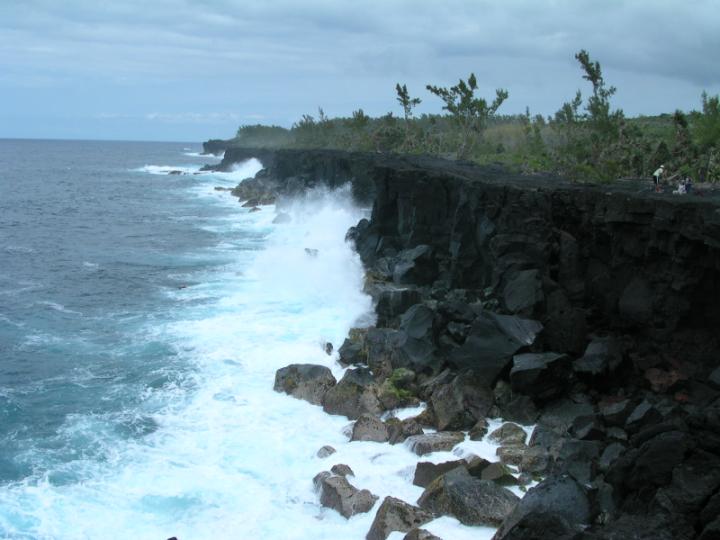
{"points": [[167, 169]]}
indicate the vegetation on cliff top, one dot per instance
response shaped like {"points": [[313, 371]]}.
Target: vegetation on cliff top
{"points": [[585, 139]]}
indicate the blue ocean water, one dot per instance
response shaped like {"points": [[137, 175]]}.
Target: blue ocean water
{"points": [[142, 319]]}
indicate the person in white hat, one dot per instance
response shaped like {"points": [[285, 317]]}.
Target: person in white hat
{"points": [[657, 175]]}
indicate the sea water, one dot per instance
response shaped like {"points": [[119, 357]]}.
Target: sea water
{"points": [[142, 318]]}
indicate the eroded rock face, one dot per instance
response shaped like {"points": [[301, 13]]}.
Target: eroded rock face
{"points": [[305, 381], [339, 494], [470, 500], [396, 515]]}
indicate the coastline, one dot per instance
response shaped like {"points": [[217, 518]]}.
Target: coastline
{"points": [[584, 309]]}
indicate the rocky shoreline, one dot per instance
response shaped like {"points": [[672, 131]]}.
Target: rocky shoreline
{"points": [[587, 311]]}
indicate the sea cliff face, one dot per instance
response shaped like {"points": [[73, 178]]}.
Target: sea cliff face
{"points": [[589, 310]]}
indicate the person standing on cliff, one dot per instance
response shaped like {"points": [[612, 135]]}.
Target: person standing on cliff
{"points": [[657, 175]]}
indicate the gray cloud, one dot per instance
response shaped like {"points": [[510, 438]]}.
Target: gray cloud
{"points": [[282, 58]]}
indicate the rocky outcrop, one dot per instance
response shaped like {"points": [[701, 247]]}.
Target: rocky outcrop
{"points": [[589, 310]]}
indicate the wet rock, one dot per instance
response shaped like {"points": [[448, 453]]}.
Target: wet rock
{"points": [[535, 460], [396, 515], [541, 376], [520, 409], [471, 501], [479, 430], [434, 442], [420, 534], [491, 343], [461, 403], [254, 209], [304, 381], [603, 355], [325, 451], [339, 494], [355, 394], [426, 472], [352, 353], [498, 473], [342, 470], [509, 434], [369, 427], [400, 430], [559, 498], [711, 531], [511, 455]]}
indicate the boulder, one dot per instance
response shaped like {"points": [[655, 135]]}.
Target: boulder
{"points": [[426, 472], [325, 451], [470, 500], [420, 534], [396, 515], [645, 414], [511, 455], [339, 494], [541, 376], [369, 427], [498, 473], [492, 341], [520, 409], [342, 470], [508, 434], [603, 355], [355, 394], [558, 496], [523, 292], [461, 403], [535, 460], [615, 413], [393, 301], [479, 430], [434, 442], [400, 430], [305, 381]]}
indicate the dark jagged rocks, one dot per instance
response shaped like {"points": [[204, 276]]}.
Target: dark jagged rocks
{"points": [[588, 310]]}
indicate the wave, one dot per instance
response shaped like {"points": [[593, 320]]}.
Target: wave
{"points": [[169, 169], [57, 307], [200, 154]]}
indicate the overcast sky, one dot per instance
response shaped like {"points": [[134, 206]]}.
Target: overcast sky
{"points": [[189, 70]]}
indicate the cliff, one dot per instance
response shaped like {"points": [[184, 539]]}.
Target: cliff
{"points": [[590, 310]]}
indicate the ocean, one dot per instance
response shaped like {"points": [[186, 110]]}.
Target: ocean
{"points": [[142, 318]]}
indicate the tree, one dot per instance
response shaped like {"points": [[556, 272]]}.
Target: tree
{"points": [[605, 123], [408, 104], [469, 112]]}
